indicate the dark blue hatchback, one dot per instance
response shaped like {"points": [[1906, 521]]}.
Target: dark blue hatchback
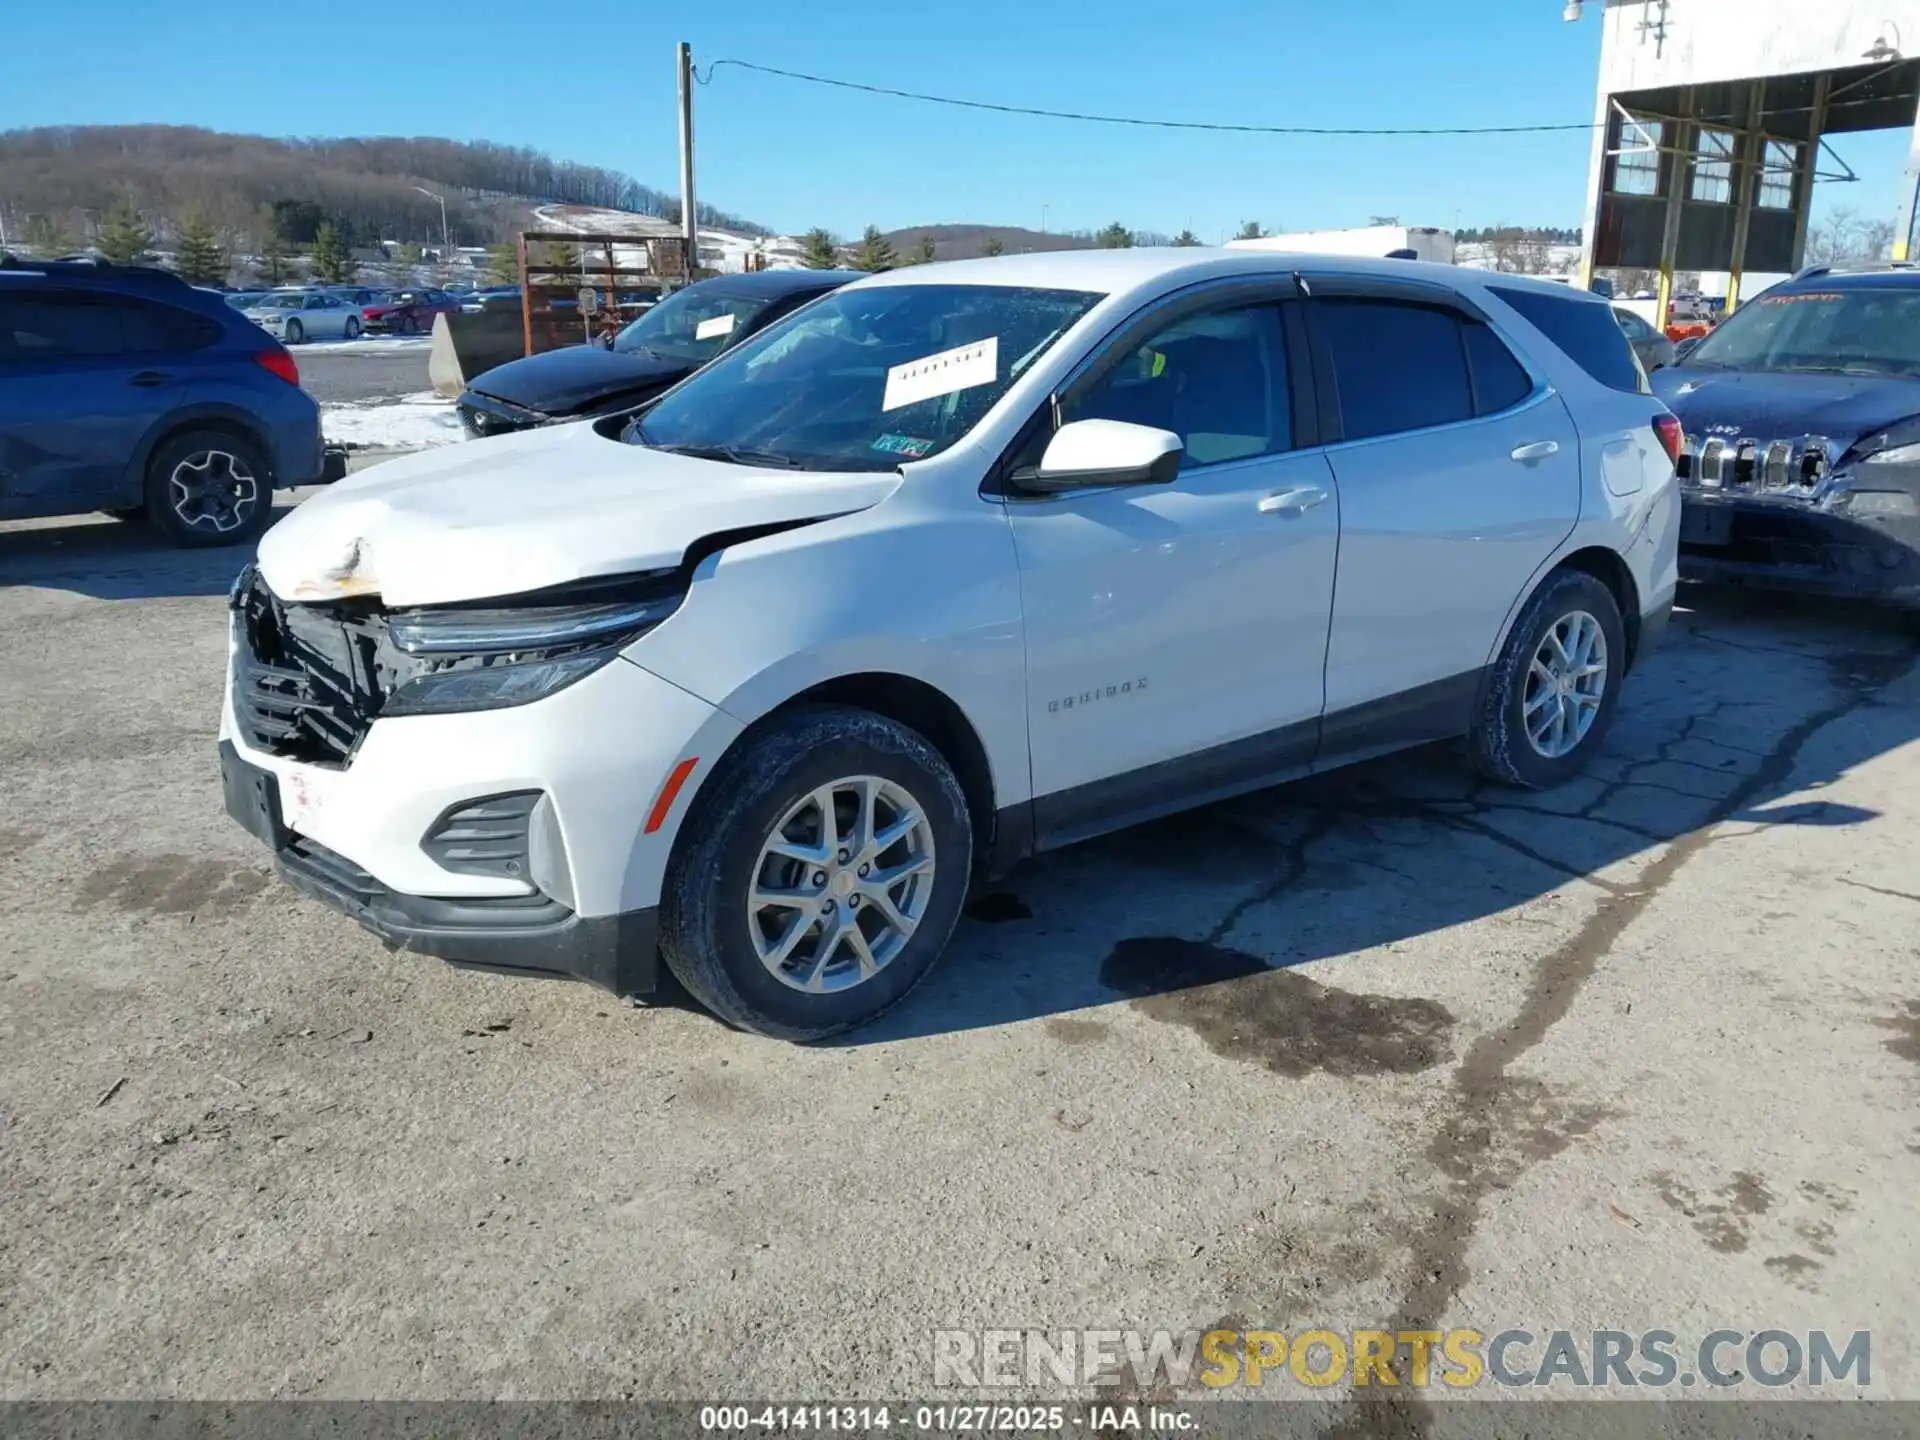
{"points": [[124, 389]]}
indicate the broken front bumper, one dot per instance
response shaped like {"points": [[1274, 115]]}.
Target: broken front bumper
{"points": [[1791, 544]]}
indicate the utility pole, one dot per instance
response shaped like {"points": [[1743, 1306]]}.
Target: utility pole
{"points": [[446, 240], [689, 207]]}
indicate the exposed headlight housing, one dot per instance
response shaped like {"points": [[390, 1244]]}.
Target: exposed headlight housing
{"points": [[488, 657], [1895, 455]]}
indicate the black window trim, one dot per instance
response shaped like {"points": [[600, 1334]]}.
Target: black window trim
{"points": [[1406, 292], [1233, 292]]}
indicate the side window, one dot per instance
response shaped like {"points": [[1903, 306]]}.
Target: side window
{"points": [[1499, 381], [162, 329], [62, 324], [1398, 366], [1217, 380], [1585, 329]]}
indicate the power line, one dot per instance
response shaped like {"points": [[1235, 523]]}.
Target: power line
{"points": [[1141, 121]]}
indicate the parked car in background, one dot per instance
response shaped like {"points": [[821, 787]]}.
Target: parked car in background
{"points": [[501, 297], [954, 564], [359, 296], [655, 352], [300, 315], [408, 312], [1654, 350], [1802, 411], [126, 390], [246, 299]]}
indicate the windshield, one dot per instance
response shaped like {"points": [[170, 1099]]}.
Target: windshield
{"points": [[281, 302], [691, 325], [1863, 331], [863, 379]]}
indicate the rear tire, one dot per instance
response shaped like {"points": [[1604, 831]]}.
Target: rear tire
{"points": [[209, 487], [838, 955], [1551, 696], [351, 331]]}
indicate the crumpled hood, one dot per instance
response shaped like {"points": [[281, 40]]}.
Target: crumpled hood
{"points": [[1768, 406], [578, 378], [526, 511]]}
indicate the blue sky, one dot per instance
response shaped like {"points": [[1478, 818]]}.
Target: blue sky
{"points": [[592, 81]]}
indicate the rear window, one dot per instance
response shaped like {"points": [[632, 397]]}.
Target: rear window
{"points": [[1586, 330]]}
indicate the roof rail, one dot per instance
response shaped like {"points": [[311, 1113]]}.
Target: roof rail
{"points": [[74, 266], [1852, 267]]}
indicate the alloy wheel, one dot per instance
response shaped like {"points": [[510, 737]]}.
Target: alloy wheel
{"points": [[841, 884], [1566, 681], [213, 491]]}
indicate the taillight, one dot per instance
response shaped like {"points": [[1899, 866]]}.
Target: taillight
{"points": [[369, 312], [278, 362], [1673, 439]]}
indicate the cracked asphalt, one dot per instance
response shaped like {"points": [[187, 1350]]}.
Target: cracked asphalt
{"points": [[1388, 1049]]}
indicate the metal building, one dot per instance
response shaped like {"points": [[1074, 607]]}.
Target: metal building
{"points": [[1710, 122]]}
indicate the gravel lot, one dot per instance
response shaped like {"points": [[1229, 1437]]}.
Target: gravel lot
{"points": [[1386, 1048]]}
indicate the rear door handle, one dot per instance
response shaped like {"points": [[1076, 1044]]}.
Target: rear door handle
{"points": [[1539, 450], [1292, 503], [147, 379]]}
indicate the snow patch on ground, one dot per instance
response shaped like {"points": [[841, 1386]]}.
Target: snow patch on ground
{"points": [[411, 422]]}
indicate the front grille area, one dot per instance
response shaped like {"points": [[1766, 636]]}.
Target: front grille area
{"points": [[1786, 468], [306, 680], [484, 837]]}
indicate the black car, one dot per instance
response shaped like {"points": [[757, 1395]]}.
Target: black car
{"points": [[660, 349], [1802, 413]]}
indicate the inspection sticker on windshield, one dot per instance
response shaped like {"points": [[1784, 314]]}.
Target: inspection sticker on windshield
{"points": [[908, 445], [943, 374], [718, 325]]}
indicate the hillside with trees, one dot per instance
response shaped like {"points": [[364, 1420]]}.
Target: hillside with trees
{"points": [[63, 185]]}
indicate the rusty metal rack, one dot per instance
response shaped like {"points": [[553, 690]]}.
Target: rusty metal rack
{"points": [[555, 304]]}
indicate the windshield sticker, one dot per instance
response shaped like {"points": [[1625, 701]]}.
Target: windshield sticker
{"points": [[907, 445], [1800, 299], [718, 325], [943, 374]]}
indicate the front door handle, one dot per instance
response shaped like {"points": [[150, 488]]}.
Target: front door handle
{"points": [[147, 379], [1292, 503], [1539, 450]]}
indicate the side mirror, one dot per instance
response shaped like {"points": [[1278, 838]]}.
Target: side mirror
{"points": [[1685, 348], [1105, 452]]}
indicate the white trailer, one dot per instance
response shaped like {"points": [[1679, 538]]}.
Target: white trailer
{"points": [[1426, 242]]}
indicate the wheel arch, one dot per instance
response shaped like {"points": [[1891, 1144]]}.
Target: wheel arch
{"points": [[181, 422], [1610, 568], [922, 707]]}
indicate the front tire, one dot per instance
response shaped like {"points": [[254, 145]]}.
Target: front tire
{"points": [[296, 332], [1552, 694], [209, 487], [819, 874], [409, 325]]}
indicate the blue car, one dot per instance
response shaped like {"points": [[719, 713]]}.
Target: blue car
{"points": [[124, 389]]}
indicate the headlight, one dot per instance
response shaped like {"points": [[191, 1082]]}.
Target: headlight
{"points": [[1887, 504], [1898, 455], [472, 658]]}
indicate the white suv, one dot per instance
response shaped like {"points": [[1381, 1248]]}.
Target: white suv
{"points": [[955, 564]]}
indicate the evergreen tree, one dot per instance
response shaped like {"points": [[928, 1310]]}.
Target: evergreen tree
{"points": [[199, 258], [992, 245], [332, 260], [406, 255], [817, 250], [873, 252], [1250, 230], [1186, 237], [565, 258], [503, 264], [272, 259], [1115, 237], [123, 239], [925, 252]]}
